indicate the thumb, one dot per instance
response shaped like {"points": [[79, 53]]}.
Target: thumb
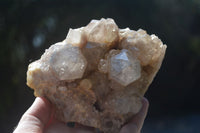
{"points": [[135, 125], [35, 118]]}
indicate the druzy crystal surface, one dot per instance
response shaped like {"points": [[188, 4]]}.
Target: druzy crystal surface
{"points": [[98, 75]]}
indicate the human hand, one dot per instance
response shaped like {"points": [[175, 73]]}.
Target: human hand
{"points": [[39, 119]]}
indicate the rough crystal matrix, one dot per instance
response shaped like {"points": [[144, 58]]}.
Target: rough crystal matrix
{"points": [[98, 74]]}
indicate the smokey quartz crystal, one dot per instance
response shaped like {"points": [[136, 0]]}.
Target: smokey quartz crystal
{"points": [[98, 75]]}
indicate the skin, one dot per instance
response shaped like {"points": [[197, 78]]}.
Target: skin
{"points": [[39, 119]]}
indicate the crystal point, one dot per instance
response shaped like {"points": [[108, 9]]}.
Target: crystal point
{"points": [[68, 63], [124, 68]]}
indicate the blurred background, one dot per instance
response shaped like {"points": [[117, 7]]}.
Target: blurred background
{"points": [[28, 27]]}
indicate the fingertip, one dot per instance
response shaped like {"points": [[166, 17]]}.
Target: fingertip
{"points": [[137, 121], [43, 99], [145, 103], [129, 128], [145, 100], [41, 109], [36, 117]]}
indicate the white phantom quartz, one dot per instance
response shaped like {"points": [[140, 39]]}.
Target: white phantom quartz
{"points": [[104, 31], [76, 37], [68, 63], [124, 68]]}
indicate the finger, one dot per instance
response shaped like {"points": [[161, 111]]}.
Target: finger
{"points": [[61, 127], [80, 126], [136, 123], [35, 118], [40, 109], [139, 118]]}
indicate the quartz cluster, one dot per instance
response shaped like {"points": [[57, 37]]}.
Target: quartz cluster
{"points": [[98, 75]]}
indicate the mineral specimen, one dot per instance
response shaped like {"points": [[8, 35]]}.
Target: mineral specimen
{"points": [[98, 74]]}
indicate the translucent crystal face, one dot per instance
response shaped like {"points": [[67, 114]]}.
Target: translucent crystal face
{"points": [[104, 31], [76, 37], [68, 63], [124, 68]]}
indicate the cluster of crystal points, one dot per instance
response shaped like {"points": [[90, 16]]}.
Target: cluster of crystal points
{"points": [[98, 74]]}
